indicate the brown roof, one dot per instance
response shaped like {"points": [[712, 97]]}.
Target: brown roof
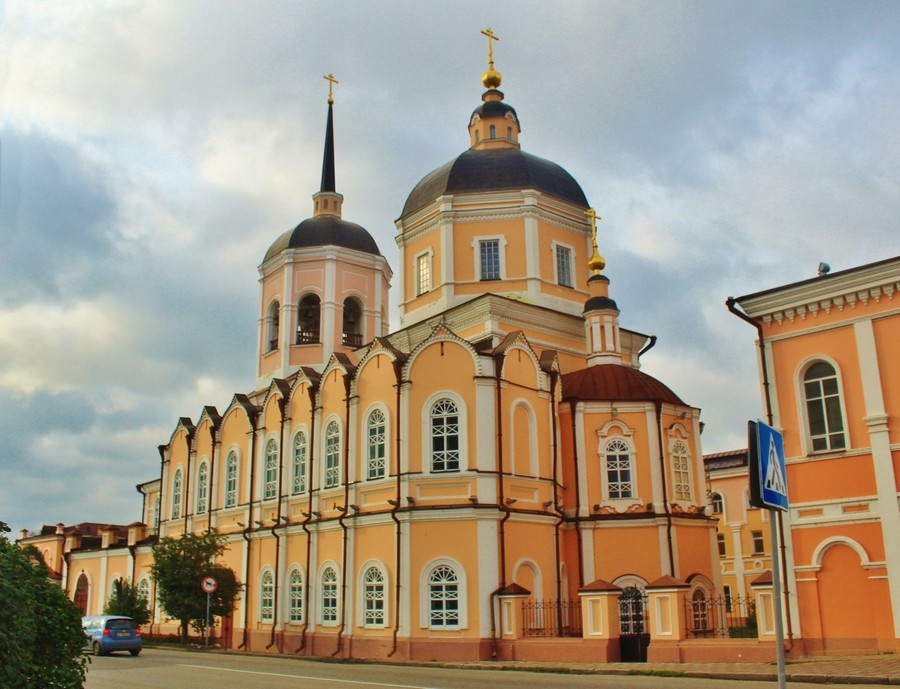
{"points": [[615, 383]]}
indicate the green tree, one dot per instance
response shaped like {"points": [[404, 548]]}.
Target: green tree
{"points": [[179, 565], [127, 600], [41, 640]]}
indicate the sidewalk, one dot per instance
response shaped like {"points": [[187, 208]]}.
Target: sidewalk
{"points": [[872, 669]]}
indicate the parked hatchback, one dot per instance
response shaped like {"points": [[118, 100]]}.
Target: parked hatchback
{"points": [[108, 633]]}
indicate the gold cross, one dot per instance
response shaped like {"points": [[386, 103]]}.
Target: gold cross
{"points": [[491, 38], [331, 82], [596, 262]]}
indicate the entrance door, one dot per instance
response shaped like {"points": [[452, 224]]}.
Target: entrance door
{"points": [[634, 635]]}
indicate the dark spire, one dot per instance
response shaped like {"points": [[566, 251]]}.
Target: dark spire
{"points": [[328, 158]]}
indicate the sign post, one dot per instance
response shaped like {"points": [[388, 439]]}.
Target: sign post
{"points": [[209, 586], [768, 489]]}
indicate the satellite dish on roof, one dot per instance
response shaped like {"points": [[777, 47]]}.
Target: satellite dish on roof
{"points": [[824, 269]]}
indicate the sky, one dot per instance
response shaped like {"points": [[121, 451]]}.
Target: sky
{"points": [[150, 152]]}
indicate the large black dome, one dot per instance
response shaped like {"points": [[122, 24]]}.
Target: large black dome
{"points": [[325, 231], [494, 170]]}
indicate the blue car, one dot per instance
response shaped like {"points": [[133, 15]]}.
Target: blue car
{"points": [[108, 633]]}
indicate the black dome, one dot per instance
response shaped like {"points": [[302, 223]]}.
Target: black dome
{"points": [[325, 231], [493, 170], [494, 108]]}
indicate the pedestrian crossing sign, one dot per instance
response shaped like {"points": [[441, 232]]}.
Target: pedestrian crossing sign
{"points": [[770, 467]]}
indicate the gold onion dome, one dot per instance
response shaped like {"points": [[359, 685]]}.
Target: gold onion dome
{"points": [[492, 78]]}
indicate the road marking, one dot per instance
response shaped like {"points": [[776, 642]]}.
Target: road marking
{"points": [[320, 679]]}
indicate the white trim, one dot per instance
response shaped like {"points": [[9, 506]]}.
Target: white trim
{"points": [[800, 395], [501, 256], [364, 454], [531, 433], [425, 595], [320, 590], [536, 575], [269, 437], [265, 569], [361, 595], [555, 245], [463, 435], [323, 463], [286, 598], [428, 255]]}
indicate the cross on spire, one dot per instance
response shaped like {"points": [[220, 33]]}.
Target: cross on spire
{"points": [[331, 82], [491, 38], [596, 262]]}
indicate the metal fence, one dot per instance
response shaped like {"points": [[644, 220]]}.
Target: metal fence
{"points": [[551, 618], [723, 617]]}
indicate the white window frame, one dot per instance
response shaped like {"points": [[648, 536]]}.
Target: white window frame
{"points": [[425, 596], [331, 475], [202, 499], [364, 595], [177, 492], [267, 596], [501, 256], [295, 598], [617, 430], [682, 476], [429, 453], [333, 587], [423, 265], [230, 498], [721, 501], [273, 326], [269, 487], [299, 462], [384, 459], [803, 410], [557, 278]]}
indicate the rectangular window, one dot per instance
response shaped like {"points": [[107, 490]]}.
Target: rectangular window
{"points": [[758, 545], [720, 539], [729, 605], [489, 255], [423, 274], [564, 266], [376, 463], [231, 482], [332, 456]]}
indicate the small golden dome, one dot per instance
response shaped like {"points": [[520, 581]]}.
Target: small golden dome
{"points": [[491, 79]]}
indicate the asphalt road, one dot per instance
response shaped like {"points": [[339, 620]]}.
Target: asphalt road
{"points": [[176, 669]]}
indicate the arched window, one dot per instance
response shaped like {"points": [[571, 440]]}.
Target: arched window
{"points": [[373, 595], [825, 423], [443, 594], [308, 320], [231, 479], [717, 502], [202, 487], [144, 588], [700, 609], [619, 470], [156, 513], [295, 596], [509, 133], [444, 436], [329, 593], [352, 334], [81, 593], [493, 131], [632, 611], [270, 485], [332, 455], [298, 466], [267, 597], [176, 494], [272, 321], [681, 470], [375, 437]]}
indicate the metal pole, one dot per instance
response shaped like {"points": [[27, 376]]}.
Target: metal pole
{"points": [[776, 596], [206, 629]]}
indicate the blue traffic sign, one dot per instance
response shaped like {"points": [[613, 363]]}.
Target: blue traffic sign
{"points": [[772, 473]]}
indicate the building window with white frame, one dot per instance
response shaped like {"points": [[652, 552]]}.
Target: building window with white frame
{"points": [[759, 544], [376, 431], [824, 418], [619, 470], [444, 436], [270, 482], [717, 503], [681, 470], [202, 487], [298, 466], [489, 259], [443, 593], [295, 597], [156, 513], [267, 597], [144, 588], [329, 596], [373, 597], [332, 455], [564, 266], [423, 273], [231, 479], [176, 494], [720, 542]]}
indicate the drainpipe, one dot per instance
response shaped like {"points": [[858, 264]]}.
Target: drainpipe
{"points": [[730, 303], [398, 374], [186, 505], [561, 517], [307, 516], [572, 406], [647, 347], [212, 475], [343, 511], [249, 527], [162, 464], [662, 465], [282, 407], [501, 501]]}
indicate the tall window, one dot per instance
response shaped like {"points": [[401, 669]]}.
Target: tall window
{"points": [[308, 320], [632, 606], [332, 455], [720, 541], [202, 487], [176, 494], [444, 436], [376, 441], [717, 502], [618, 469], [231, 475], [144, 588], [328, 592], [423, 274], [270, 485], [373, 594], [700, 607], [564, 266], [267, 597], [295, 592], [681, 470], [156, 513], [443, 590], [759, 546], [489, 255], [352, 333], [273, 326], [298, 466], [823, 408]]}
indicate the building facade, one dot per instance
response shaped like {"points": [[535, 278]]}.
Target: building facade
{"points": [[383, 493]]}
